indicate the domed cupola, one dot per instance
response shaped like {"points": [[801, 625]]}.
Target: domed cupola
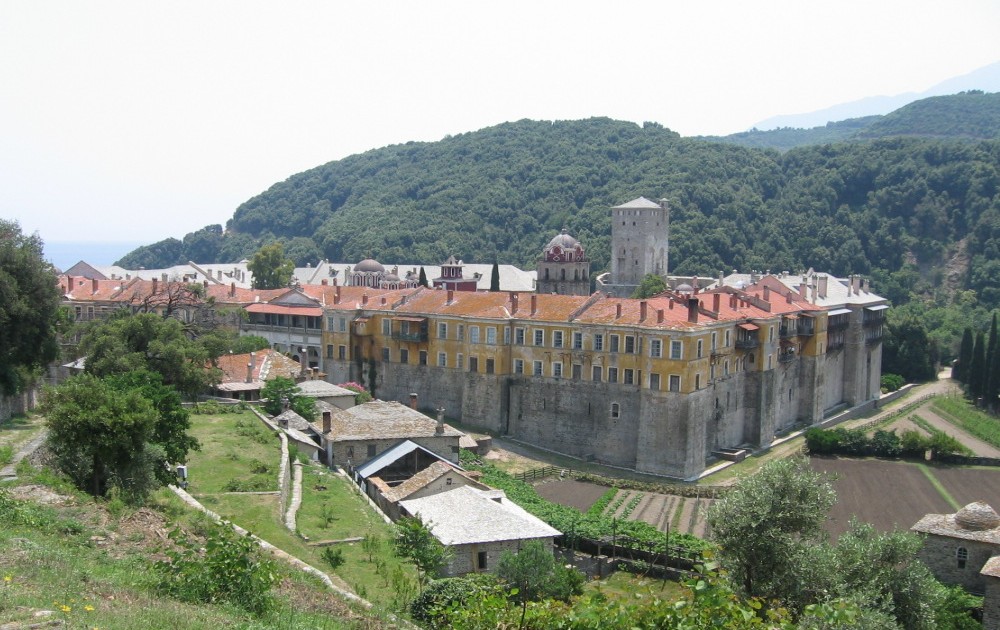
{"points": [[977, 516], [563, 267], [369, 265], [564, 248]]}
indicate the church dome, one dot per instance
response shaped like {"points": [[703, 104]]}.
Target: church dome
{"points": [[369, 265], [684, 288], [563, 240], [977, 516]]}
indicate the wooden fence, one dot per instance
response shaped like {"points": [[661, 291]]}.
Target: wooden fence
{"points": [[682, 490]]}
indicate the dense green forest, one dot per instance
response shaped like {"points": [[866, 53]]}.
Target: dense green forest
{"points": [[920, 215]]}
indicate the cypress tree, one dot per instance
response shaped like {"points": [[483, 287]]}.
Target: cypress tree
{"points": [[977, 369], [422, 281], [991, 387], [495, 278], [961, 371]]}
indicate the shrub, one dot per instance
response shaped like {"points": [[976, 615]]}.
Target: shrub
{"points": [[442, 594], [885, 444], [892, 382], [333, 557], [230, 569], [821, 442]]}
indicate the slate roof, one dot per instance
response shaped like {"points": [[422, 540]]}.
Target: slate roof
{"points": [[424, 478], [381, 420], [639, 203], [390, 455], [976, 521], [466, 516], [322, 389]]}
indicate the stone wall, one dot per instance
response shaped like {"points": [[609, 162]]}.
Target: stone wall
{"points": [[465, 558], [991, 604], [939, 554], [24, 402]]}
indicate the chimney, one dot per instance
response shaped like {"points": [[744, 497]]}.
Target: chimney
{"points": [[413, 401], [814, 291], [232, 289], [694, 284], [327, 422], [381, 301], [303, 360], [670, 304], [69, 284], [450, 297], [803, 288], [716, 302], [788, 297], [336, 295], [693, 310], [618, 310], [767, 294], [864, 285], [402, 300], [514, 297], [95, 284], [822, 285], [249, 372], [154, 285], [364, 300], [163, 277], [251, 366], [642, 311], [439, 429], [323, 282], [659, 316], [205, 284], [534, 303]]}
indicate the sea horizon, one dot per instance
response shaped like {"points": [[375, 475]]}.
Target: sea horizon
{"points": [[65, 254]]}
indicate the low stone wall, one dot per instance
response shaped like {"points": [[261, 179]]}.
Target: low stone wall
{"points": [[24, 402], [284, 471]]}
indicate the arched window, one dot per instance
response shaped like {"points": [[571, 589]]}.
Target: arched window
{"points": [[615, 410], [562, 274], [546, 273], [961, 555]]}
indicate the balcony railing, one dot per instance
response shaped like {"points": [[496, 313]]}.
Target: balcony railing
{"points": [[409, 336], [838, 326], [786, 357], [747, 342]]}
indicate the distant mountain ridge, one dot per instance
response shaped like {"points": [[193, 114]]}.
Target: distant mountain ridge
{"points": [[986, 79], [969, 115]]}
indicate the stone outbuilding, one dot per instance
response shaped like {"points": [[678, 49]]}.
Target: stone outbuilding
{"points": [[353, 436], [478, 526], [957, 546]]}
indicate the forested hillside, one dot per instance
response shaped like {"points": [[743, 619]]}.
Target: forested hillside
{"points": [[921, 216]]}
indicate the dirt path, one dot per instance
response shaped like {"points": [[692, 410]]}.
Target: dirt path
{"points": [[977, 446]]}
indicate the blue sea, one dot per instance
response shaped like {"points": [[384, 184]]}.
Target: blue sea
{"points": [[65, 254]]}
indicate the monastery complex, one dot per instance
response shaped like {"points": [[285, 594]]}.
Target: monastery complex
{"points": [[662, 385]]}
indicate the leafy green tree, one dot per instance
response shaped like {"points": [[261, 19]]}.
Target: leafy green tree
{"points": [[270, 268], [280, 390], [145, 341], [650, 285], [534, 573], [907, 350], [495, 277], [102, 436], [29, 308], [766, 526], [415, 542], [963, 365]]}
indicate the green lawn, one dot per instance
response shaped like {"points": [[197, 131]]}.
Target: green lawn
{"points": [[237, 453]]}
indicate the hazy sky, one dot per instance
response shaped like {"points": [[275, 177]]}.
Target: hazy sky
{"points": [[137, 121]]}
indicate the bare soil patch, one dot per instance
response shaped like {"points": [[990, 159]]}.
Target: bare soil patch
{"points": [[966, 485], [572, 493], [884, 493]]}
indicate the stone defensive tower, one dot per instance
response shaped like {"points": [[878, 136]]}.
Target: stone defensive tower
{"points": [[640, 237]]}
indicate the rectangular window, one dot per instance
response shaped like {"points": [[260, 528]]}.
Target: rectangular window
{"points": [[725, 371], [473, 364], [539, 337], [577, 371], [342, 324], [612, 375], [655, 348], [598, 343], [770, 333], [506, 336], [442, 359], [489, 366], [461, 332], [629, 344], [578, 341], [331, 322], [614, 343], [371, 450], [519, 336], [518, 366], [404, 355], [701, 345], [473, 334], [423, 357], [557, 339], [675, 383], [676, 350], [491, 336], [697, 381], [386, 326], [536, 368], [342, 352], [385, 355], [654, 381], [329, 351], [727, 338], [481, 561], [442, 330], [557, 369], [596, 374], [460, 361], [715, 341], [628, 377]]}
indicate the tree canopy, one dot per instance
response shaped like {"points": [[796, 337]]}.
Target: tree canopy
{"points": [[29, 308], [270, 268]]}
